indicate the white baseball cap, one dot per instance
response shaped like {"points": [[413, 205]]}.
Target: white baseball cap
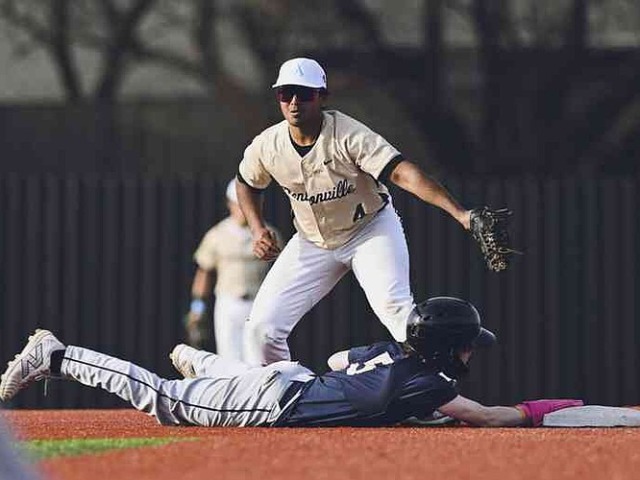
{"points": [[231, 191], [301, 71]]}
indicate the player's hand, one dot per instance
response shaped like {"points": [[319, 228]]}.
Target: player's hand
{"points": [[465, 219], [535, 410], [265, 245]]}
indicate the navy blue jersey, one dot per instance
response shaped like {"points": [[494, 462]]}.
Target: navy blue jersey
{"points": [[381, 386]]}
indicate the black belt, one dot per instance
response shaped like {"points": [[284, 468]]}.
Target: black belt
{"points": [[290, 392]]}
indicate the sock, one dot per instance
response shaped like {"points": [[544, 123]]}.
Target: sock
{"points": [[56, 361]]}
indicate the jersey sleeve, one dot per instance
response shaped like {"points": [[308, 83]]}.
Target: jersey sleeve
{"points": [[206, 255], [356, 354], [367, 352], [252, 169], [370, 151], [422, 394], [446, 391]]}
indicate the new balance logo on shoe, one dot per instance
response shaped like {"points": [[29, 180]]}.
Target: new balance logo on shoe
{"points": [[33, 360], [30, 365]]}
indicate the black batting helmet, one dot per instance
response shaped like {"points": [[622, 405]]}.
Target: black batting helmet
{"points": [[444, 326]]}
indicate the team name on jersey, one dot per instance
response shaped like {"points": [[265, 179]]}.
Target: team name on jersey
{"points": [[342, 189]]}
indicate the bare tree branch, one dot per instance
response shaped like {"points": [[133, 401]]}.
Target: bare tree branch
{"points": [[27, 23], [123, 37], [110, 13], [165, 57], [578, 24], [202, 35], [61, 50]]}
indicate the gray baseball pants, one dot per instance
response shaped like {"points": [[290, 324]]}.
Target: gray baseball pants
{"points": [[226, 392]]}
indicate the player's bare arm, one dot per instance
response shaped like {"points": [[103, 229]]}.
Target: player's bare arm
{"points": [[265, 243], [408, 176], [194, 319], [200, 288], [528, 413], [474, 413], [202, 283], [250, 202]]}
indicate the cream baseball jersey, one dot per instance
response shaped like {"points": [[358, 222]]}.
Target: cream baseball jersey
{"points": [[227, 248], [333, 189]]}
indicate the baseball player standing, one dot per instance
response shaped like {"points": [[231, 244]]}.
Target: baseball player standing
{"points": [[333, 169], [226, 249]]}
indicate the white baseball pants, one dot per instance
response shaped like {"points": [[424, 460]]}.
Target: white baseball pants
{"points": [[230, 316], [304, 273]]}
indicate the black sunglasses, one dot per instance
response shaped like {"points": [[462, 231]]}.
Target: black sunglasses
{"points": [[303, 94]]}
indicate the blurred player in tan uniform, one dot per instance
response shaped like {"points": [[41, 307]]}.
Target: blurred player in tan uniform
{"points": [[333, 169], [226, 249]]}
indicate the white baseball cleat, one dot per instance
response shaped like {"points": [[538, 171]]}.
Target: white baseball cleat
{"points": [[31, 364], [182, 358]]}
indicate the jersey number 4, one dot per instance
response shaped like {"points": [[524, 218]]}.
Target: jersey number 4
{"points": [[358, 368], [359, 213]]}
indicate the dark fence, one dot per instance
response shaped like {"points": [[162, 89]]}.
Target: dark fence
{"points": [[105, 262]]}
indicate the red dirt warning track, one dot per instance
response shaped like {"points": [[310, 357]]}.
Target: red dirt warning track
{"points": [[339, 453]]}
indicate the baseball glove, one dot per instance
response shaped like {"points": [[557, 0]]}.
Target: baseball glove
{"points": [[489, 228]]}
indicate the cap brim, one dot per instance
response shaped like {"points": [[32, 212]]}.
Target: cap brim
{"points": [[297, 84], [486, 338]]}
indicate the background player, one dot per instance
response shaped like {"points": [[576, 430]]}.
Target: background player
{"points": [[380, 384], [334, 171], [226, 250]]}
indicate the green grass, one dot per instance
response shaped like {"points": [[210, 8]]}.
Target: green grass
{"points": [[41, 449]]}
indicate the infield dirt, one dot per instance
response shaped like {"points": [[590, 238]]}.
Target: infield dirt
{"points": [[340, 453]]}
